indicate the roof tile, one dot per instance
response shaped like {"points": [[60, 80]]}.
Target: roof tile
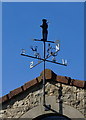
{"points": [[4, 98], [78, 83], [62, 79], [15, 92], [30, 84], [49, 74]]}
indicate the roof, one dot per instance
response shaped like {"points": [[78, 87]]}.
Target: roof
{"points": [[49, 75]]}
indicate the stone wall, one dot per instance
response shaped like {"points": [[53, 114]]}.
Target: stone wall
{"points": [[66, 94]]}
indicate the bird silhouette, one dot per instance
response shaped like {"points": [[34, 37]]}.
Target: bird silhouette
{"points": [[34, 48]]}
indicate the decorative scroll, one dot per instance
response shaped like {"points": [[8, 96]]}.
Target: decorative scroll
{"points": [[23, 51], [34, 49]]}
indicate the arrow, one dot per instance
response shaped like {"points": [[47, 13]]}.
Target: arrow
{"points": [[44, 59]]}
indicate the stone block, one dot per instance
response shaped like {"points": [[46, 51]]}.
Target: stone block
{"points": [[2, 111], [20, 103]]}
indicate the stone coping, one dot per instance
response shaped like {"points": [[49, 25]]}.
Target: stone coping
{"points": [[50, 75]]}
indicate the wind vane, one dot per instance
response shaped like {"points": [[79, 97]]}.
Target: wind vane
{"points": [[51, 51]]}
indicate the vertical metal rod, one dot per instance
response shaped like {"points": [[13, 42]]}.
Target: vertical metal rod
{"points": [[44, 78]]}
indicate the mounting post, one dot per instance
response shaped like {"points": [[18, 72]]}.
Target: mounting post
{"points": [[44, 78]]}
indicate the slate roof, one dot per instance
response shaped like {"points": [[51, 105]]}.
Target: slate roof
{"points": [[50, 75]]}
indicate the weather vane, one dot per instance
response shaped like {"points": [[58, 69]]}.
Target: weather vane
{"points": [[51, 52]]}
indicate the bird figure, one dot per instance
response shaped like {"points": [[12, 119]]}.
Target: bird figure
{"points": [[36, 54], [49, 50], [34, 48]]}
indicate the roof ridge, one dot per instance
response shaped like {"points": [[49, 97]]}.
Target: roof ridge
{"points": [[49, 75]]}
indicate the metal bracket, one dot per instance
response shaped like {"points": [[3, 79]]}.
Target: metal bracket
{"points": [[47, 107]]}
